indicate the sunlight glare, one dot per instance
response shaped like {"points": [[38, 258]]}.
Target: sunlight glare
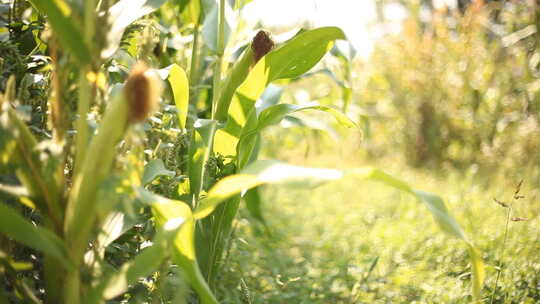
{"points": [[353, 17]]}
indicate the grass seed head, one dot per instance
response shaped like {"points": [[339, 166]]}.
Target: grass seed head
{"points": [[518, 189], [519, 219], [502, 204], [142, 91], [261, 45]]}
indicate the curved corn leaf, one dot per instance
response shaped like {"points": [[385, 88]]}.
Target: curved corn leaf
{"points": [[180, 88], [13, 225], [69, 34], [154, 169], [114, 225], [122, 14], [168, 212], [273, 115], [146, 262], [259, 173], [270, 96], [294, 58], [301, 53], [234, 79], [114, 283], [273, 172]]}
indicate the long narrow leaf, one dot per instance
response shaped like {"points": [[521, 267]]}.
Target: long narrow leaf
{"points": [[180, 88], [273, 115], [258, 173], [19, 149], [199, 151], [153, 169], [81, 210], [16, 227], [146, 262], [272, 172], [183, 247]]}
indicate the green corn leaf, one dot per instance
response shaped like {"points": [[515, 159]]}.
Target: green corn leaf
{"points": [[270, 96], [15, 191], [272, 172], [259, 173], [81, 210], [301, 53], [210, 27], [291, 60], [19, 150], [180, 88], [253, 203], [234, 79], [294, 58], [273, 115], [67, 31], [114, 283], [122, 14], [190, 11], [114, 225], [169, 212], [199, 151], [154, 169], [241, 3], [16, 227], [446, 222], [145, 263]]}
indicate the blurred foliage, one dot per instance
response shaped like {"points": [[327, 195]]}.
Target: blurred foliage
{"points": [[459, 88], [373, 246]]}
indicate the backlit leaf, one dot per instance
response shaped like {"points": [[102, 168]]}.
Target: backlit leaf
{"points": [[171, 212], [199, 151], [180, 88]]}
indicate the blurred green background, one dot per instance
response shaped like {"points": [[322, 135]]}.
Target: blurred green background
{"points": [[447, 97]]}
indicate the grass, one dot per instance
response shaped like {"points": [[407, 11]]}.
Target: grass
{"points": [[324, 253]]}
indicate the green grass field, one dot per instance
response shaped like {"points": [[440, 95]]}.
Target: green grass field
{"points": [[359, 242]]}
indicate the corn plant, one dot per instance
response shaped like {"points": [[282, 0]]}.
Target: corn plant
{"points": [[86, 188]]}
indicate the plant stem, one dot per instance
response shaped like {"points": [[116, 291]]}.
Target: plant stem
{"points": [[219, 59], [72, 284], [194, 67], [85, 91], [502, 254], [83, 107]]}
